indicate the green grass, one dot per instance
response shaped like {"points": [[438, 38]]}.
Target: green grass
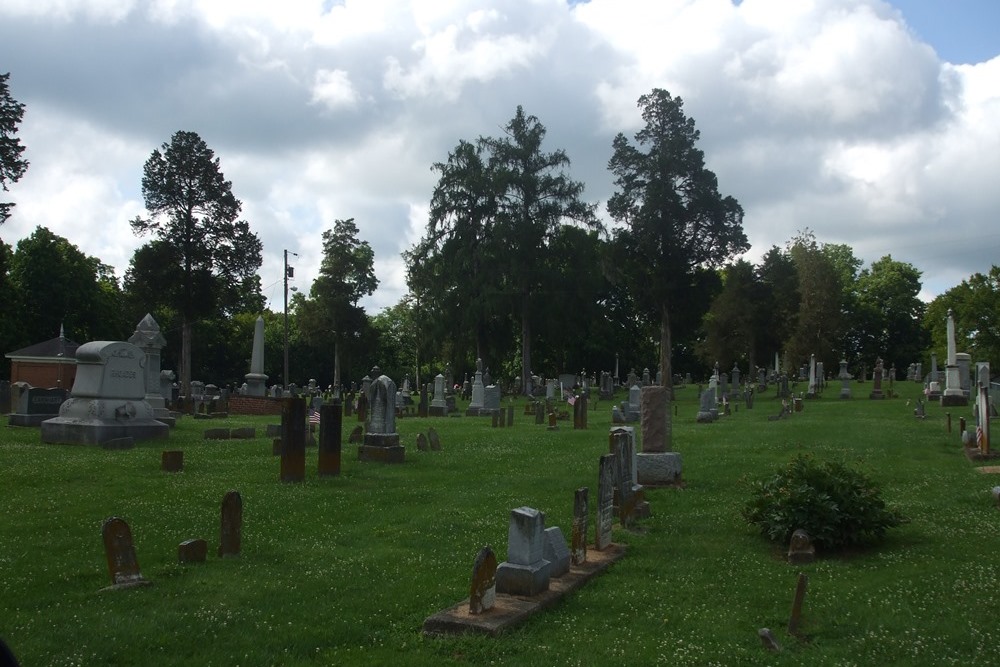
{"points": [[344, 570]]}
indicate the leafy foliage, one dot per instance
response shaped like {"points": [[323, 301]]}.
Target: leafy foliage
{"points": [[837, 506], [12, 165]]}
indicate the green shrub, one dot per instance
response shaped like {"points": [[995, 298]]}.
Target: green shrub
{"points": [[837, 506]]}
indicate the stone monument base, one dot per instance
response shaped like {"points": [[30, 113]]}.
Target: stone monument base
{"points": [[953, 400], [15, 419], [438, 411], [527, 580], [382, 448], [876, 395], [66, 430], [705, 417], [658, 468]]}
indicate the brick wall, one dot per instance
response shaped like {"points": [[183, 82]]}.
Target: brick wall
{"points": [[254, 405]]}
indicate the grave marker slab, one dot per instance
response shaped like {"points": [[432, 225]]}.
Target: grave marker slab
{"points": [[192, 551], [581, 519], [525, 572], [293, 440], [434, 440], [232, 524], [123, 566], [331, 418], [172, 460], [605, 501], [483, 591]]}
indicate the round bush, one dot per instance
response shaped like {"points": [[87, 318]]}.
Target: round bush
{"points": [[837, 506]]}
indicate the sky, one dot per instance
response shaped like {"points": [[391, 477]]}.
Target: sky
{"points": [[872, 123]]}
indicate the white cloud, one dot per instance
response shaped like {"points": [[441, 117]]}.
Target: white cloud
{"points": [[333, 88]]}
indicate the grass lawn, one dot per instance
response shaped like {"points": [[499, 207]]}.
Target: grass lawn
{"points": [[344, 570]]}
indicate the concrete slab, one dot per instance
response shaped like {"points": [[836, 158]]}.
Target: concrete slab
{"points": [[510, 610]]}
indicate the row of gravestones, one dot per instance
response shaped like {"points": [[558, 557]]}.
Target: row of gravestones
{"points": [[119, 547], [536, 554]]}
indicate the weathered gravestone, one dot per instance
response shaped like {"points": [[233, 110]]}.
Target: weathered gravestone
{"points": [[192, 551], [123, 566], [491, 400], [438, 407], [800, 548], [605, 501], [232, 525], [172, 460], [357, 435], [707, 410], [434, 440], [657, 465], [581, 515], [293, 440], [107, 400], [525, 572], [422, 443], [555, 551], [381, 441], [478, 397], [331, 418], [483, 591], [36, 405]]}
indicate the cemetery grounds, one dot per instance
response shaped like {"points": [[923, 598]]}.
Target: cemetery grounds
{"points": [[344, 570]]}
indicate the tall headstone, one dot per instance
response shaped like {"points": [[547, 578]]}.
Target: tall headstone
{"points": [[108, 400], [605, 517], [478, 399], [736, 378], [632, 410], [381, 439], [491, 400], [123, 566], [439, 407], [293, 439], [813, 389], [845, 380], [525, 572], [331, 418], [953, 394], [877, 393], [231, 530], [657, 465], [147, 337], [581, 519], [256, 379]]}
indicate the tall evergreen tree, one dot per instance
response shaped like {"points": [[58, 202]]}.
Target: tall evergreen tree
{"points": [[12, 164], [676, 224], [193, 213]]}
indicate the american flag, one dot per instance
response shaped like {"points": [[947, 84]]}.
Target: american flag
{"points": [[314, 416]]}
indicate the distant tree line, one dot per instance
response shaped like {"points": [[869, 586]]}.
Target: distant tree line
{"points": [[514, 268]]}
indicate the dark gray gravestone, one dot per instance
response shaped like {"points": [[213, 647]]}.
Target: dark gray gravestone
{"points": [[422, 442], [232, 524], [36, 405], [556, 552], [483, 591], [581, 511], [123, 566], [293, 439], [605, 500], [172, 460], [192, 551]]}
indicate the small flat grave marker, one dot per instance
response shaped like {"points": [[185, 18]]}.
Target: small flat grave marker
{"points": [[192, 551]]}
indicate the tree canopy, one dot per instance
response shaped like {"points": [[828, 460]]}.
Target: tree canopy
{"points": [[12, 164]]}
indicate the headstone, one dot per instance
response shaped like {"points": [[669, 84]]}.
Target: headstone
{"points": [[801, 549], [813, 389], [357, 435], [438, 407], [525, 572], [36, 405], [477, 401], [192, 551], [539, 412], [422, 443], [232, 524], [434, 440], [172, 460], [581, 519], [634, 401], [707, 412], [147, 337], [381, 441], [491, 400], [243, 433], [331, 419], [107, 400], [510, 416], [483, 591], [953, 393], [293, 440], [877, 393], [216, 434], [123, 566], [845, 380], [800, 594], [605, 501], [934, 380], [657, 465], [556, 552]]}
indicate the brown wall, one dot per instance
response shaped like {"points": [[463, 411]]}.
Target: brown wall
{"points": [[43, 374], [254, 405]]}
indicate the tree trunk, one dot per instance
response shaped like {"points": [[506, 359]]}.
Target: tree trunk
{"points": [[336, 368], [665, 368], [186, 357], [525, 345]]}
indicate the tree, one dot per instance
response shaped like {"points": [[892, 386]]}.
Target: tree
{"points": [[734, 323], [780, 308], [819, 322], [537, 198], [12, 165], [495, 212], [889, 314], [58, 286], [675, 221], [193, 212], [346, 274], [975, 303]]}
